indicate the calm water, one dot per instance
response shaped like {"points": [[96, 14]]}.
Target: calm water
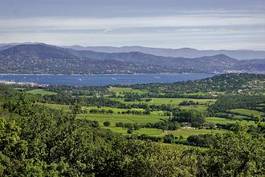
{"points": [[103, 79]]}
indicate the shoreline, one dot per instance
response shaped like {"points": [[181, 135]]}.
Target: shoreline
{"points": [[32, 84], [14, 74]]}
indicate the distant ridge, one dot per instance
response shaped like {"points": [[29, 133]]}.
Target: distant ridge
{"points": [[166, 52], [47, 59], [181, 52]]}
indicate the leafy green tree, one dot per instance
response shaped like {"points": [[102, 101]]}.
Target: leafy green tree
{"points": [[76, 108], [234, 154], [13, 149]]}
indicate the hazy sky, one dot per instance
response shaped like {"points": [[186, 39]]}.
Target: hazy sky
{"points": [[202, 24]]}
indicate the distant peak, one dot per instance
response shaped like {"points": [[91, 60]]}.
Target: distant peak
{"points": [[221, 56], [186, 48]]}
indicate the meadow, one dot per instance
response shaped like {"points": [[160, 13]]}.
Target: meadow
{"points": [[247, 112], [170, 101], [141, 120], [124, 118], [40, 92], [120, 115]]}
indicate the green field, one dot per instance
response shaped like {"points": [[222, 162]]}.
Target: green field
{"points": [[56, 106], [145, 131], [115, 110], [41, 92], [88, 108], [214, 94], [123, 90], [186, 132], [144, 119], [219, 120], [177, 101], [170, 101], [125, 118], [155, 116], [247, 112], [200, 108]]}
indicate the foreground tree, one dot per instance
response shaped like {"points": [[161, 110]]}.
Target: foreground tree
{"points": [[234, 154]]}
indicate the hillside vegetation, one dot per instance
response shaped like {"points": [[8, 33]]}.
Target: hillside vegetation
{"points": [[210, 127]]}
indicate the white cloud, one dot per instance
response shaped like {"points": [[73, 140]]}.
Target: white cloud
{"points": [[187, 20], [200, 30]]}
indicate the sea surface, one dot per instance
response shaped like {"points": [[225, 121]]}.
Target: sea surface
{"points": [[102, 79]]}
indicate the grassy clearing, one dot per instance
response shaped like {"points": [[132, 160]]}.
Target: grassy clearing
{"points": [[125, 118], [56, 106], [149, 131], [122, 90], [20, 89], [87, 108], [186, 132], [115, 110], [247, 112], [156, 117], [41, 92], [119, 130], [200, 108], [170, 101], [120, 110], [197, 94], [177, 101], [145, 131], [218, 120]]}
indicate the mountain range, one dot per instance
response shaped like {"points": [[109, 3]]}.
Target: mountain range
{"points": [[39, 58], [182, 52], [166, 52]]}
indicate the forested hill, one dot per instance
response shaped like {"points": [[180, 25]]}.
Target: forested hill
{"points": [[47, 59], [234, 83]]}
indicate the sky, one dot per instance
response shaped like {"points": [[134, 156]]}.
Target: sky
{"points": [[201, 24]]}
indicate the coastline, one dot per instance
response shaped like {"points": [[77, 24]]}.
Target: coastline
{"points": [[107, 74], [31, 84]]}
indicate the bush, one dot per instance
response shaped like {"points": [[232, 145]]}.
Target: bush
{"points": [[169, 139], [130, 131], [94, 124], [106, 124], [201, 140], [119, 124]]}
